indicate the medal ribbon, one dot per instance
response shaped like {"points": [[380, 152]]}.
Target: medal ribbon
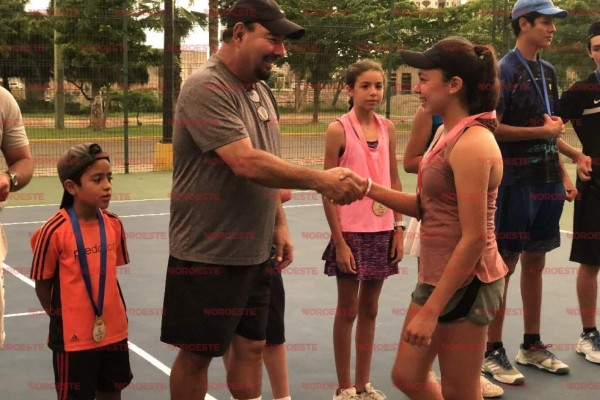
{"points": [[439, 145], [363, 144], [544, 97], [85, 272]]}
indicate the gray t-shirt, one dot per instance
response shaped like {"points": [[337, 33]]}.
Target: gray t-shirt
{"points": [[12, 135], [12, 129], [217, 217]]}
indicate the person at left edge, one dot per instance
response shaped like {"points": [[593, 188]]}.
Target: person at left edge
{"points": [[75, 258], [14, 146]]}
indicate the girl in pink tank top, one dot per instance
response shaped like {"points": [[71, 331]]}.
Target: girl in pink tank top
{"points": [[365, 248], [461, 275]]}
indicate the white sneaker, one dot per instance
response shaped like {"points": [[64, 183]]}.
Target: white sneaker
{"points": [[489, 390], [371, 393], [589, 345], [347, 394], [539, 356], [498, 365]]}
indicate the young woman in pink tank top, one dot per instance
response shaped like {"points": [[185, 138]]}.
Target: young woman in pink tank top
{"points": [[365, 247], [461, 275]]}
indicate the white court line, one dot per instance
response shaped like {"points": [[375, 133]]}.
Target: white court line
{"points": [[128, 201], [57, 204], [142, 353], [304, 205], [148, 357], [120, 216], [24, 314], [140, 215]]}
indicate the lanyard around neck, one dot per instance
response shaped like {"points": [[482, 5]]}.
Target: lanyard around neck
{"points": [[597, 73], [544, 97], [85, 271]]}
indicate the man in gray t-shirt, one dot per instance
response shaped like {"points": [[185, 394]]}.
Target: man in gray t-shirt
{"points": [[225, 207], [14, 146]]}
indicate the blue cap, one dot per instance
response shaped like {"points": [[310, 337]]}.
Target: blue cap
{"points": [[544, 7]]}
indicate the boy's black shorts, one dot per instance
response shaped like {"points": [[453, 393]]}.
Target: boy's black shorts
{"points": [[78, 375]]}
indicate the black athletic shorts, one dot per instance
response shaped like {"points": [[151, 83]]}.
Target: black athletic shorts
{"points": [[275, 323], [78, 375], [586, 224], [206, 304]]}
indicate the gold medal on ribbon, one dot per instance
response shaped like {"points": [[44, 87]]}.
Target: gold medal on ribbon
{"points": [[99, 329], [378, 208]]}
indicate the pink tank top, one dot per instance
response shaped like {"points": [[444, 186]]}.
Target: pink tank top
{"points": [[359, 216], [440, 226]]}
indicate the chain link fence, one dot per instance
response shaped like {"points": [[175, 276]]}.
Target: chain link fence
{"points": [[94, 106]]}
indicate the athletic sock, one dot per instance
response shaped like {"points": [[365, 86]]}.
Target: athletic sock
{"points": [[493, 346], [589, 330], [529, 339], [284, 398]]}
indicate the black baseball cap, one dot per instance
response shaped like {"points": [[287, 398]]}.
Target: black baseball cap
{"points": [[594, 30], [74, 161], [265, 12], [454, 54]]}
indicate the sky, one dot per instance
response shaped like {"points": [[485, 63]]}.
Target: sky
{"points": [[197, 40]]}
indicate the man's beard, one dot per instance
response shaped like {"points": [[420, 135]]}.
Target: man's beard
{"points": [[262, 74]]}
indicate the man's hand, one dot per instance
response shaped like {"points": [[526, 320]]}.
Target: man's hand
{"points": [[4, 186], [584, 167], [284, 253], [342, 186], [553, 126]]}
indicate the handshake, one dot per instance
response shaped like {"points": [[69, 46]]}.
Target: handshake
{"points": [[342, 186]]}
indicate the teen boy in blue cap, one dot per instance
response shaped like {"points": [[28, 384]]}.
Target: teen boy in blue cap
{"points": [[535, 183]]}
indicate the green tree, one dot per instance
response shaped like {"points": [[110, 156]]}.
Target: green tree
{"points": [[138, 100], [568, 52], [185, 21], [25, 47], [336, 36], [91, 35], [213, 26], [480, 21]]}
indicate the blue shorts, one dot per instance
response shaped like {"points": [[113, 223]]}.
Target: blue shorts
{"points": [[527, 217]]}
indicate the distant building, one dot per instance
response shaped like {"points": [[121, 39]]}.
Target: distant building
{"points": [[437, 3], [190, 62]]}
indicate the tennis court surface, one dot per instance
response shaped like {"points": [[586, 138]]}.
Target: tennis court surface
{"points": [[25, 362]]}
